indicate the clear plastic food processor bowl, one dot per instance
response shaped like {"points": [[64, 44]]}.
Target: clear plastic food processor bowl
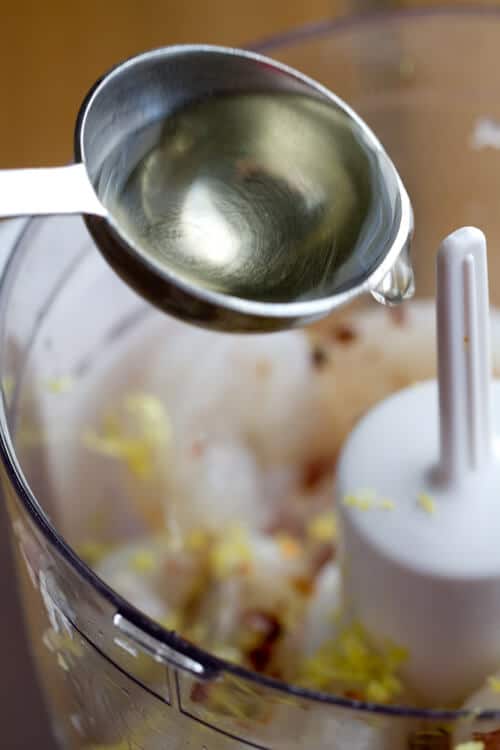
{"points": [[428, 84]]}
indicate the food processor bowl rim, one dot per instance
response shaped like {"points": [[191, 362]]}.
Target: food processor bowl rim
{"points": [[352, 21], [213, 664]]}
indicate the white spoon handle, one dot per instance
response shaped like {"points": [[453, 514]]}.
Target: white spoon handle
{"points": [[54, 190]]}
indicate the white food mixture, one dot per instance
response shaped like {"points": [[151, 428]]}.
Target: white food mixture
{"points": [[222, 450]]}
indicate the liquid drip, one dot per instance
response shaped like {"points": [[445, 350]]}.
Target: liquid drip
{"points": [[398, 285], [274, 198]]}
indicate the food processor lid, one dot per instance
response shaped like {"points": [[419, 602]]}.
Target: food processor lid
{"points": [[133, 623], [10, 231]]}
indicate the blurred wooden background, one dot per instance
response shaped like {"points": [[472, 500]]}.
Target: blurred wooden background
{"points": [[51, 52]]}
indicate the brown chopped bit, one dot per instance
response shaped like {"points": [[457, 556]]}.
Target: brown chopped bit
{"points": [[400, 380], [260, 656], [430, 739], [490, 740], [285, 522], [276, 673], [263, 368], [303, 585], [174, 567], [247, 168], [245, 568], [199, 692], [319, 357], [268, 629], [344, 334], [197, 448], [314, 472]]}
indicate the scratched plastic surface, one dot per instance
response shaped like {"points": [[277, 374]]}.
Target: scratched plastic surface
{"points": [[104, 689], [110, 686]]}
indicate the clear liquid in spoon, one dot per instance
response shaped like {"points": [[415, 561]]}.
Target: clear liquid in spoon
{"points": [[275, 198]]}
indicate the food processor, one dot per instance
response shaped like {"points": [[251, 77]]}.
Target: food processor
{"points": [[426, 82]]}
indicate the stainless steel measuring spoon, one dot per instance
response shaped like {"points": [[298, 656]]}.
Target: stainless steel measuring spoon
{"points": [[260, 199]]}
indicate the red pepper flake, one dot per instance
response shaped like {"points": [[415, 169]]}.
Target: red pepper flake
{"points": [[430, 739], [319, 357], [344, 334], [314, 472], [490, 740], [197, 448], [270, 629], [353, 695], [199, 692]]}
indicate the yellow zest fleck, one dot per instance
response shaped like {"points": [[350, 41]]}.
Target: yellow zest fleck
{"points": [[366, 495], [494, 683], [197, 633], [197, 540], [350, 663], [386, 505], [223, 702], [290, 548], [367, 500], [92, 552], [138, 735], [475, 745], [427, 503], [381, 691], [172, 621], [137, 444], [151, 413], [57, 642], [231, 554], [232, 698], [142, 561], [323, 527], [8, 385], [353, 501], [336, 616], [28, 436], [228, 653], [63, 384]]}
